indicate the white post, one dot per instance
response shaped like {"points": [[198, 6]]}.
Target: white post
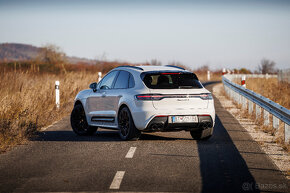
{"points": [[267, 75], [208, 75], [244, 81], [100, 76], [57, 101], [224, 71]]}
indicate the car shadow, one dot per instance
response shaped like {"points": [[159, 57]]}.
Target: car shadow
{"points": [[68, 135], [222, 167], [99, 136]]}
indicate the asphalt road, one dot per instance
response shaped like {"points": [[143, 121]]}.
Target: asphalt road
{"points": [[60, 161]]}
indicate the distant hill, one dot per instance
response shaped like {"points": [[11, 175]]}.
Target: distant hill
{"points": [[10, 52], [18, 52]]}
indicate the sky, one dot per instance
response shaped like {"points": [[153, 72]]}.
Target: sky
{"points": [[226, 33]]}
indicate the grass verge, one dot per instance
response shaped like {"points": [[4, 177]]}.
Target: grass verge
{"points": [[27, 102]]}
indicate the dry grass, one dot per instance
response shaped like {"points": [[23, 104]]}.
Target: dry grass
{"points": [[279, 92], [27, 102], [202, 76]]}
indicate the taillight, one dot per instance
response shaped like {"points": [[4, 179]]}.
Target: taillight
{"points": [[156, 97], [149, 97], [205, 96]]}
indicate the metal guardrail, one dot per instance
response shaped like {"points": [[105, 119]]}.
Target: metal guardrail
{"points": [[248, 99], [253, 75]]}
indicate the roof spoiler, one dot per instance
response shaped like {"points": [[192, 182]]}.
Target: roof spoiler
{"points": [[175, 67], [135, 67]]}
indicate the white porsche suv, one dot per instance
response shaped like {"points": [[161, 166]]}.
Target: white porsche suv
{"points": [[135, 99]]}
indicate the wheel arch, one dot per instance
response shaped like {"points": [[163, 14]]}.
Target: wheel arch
{"points": [[77, 102], [122, 105]]}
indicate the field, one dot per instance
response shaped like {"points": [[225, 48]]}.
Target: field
{"points": [[27, 102], [279, 92]]}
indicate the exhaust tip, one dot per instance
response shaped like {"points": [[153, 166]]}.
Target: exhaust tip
{"points": [[157, 126]]}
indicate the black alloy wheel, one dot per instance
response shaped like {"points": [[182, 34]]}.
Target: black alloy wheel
{"points": [[127, 129], [79, 122]]}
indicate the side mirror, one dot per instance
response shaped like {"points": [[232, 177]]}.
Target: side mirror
{"points": [[94, 86]]}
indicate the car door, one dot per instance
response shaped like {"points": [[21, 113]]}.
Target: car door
{"points": [[99, 104], [120, 87]]}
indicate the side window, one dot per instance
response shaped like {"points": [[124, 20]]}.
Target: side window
{"points": [[122, 80], [131, 81], [108, 80]]}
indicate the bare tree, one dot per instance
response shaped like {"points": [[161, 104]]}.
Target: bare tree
{"points": [[266, 66], [203, 68], [174, 63], [155, 62], [52, 54]]}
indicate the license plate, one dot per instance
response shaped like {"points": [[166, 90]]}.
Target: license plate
{"points": [[184, 119]]}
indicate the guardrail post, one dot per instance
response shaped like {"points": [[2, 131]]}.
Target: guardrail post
{"points": [[250, 107], [266, 117], [258, 111], [236, 97], [232, 94], [57, 101], [244, 102], [287, 133], [99, 76], [275, 122]]}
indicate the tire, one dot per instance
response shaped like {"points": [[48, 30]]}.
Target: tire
{"points": [[127, 129], [204, 134], [79, 122]]}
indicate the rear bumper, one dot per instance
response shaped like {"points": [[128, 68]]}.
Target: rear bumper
{"points": [[164, 124], [145, 116]]}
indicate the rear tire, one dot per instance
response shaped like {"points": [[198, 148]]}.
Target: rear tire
{"points": [[79, 122], [204, 134], [127, 128]]}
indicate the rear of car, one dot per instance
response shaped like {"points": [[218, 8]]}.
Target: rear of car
{"points": [[178, 102]]}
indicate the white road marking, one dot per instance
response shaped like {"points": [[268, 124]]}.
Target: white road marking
{"points": [[131, 152], [117, 180], [45, 128]]}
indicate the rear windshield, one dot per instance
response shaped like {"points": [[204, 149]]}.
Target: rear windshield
{"points": [[171, 81]]}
